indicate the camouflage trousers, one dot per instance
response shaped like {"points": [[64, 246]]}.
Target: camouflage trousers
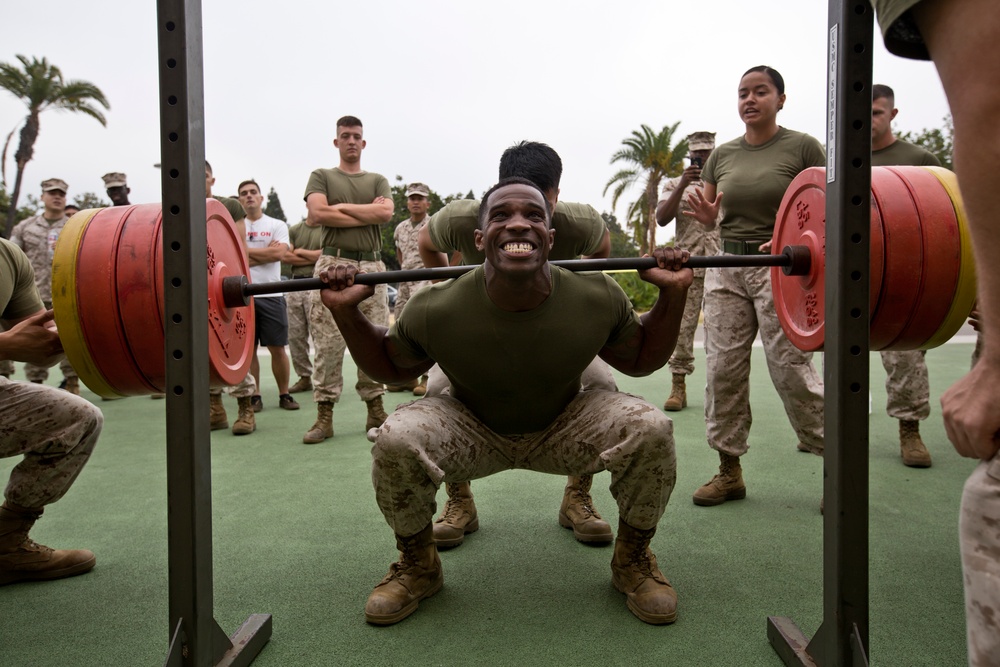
{"points": [[980, 544], [907, 388], [682, 360], [596, 376], [246, 388], [54, 431], [738, 303], [437, 439], [328, 367], [298, 305], [403, 294]]}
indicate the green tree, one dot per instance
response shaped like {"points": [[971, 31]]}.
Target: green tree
{"points": [[273, 207], [30, 208], [939, 141], [650, 158], [90, 200], [402, 213], [40, 86], [621, 244]]}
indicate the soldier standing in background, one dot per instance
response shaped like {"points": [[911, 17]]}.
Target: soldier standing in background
{"points": [[37, 237], [697, 239], [406, 237]]}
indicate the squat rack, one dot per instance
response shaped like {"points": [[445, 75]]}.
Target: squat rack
{"points": [[195, 638]]}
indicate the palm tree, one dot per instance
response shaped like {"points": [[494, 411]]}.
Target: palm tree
{"points": [[41, 86], [651, 158]]}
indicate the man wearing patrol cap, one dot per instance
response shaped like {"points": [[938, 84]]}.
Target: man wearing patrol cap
{"points": [[695, 238], [37, 236], [117, 188], [408, 253]]}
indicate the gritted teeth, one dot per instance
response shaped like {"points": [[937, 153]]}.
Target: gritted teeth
{"points": [[518, 248]]}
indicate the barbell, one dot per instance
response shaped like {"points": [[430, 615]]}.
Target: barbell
{"points": [[107, 279]]}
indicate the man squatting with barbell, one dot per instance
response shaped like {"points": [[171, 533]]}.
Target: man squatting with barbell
{"points": [[513, 337], [53, 430]]}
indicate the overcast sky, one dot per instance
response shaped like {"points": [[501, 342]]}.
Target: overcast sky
{"points": [[442, 86]]}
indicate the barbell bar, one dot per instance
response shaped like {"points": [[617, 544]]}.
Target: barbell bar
{"points": [[238, 290], [107, 278]]}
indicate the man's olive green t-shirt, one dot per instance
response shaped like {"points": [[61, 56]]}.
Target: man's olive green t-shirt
{"points": [[900, 153], [515, 371], [303, 236], [234, 207], [342, 188], [753, 180], [579, 230], [18, 295]]}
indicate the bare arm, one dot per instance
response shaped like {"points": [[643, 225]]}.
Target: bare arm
{"points": [[268, 255], [429, 253], [370, 348], [320, 213], [32, 339], [301, 257], [666, 210], [705, 203], [651, 346]]}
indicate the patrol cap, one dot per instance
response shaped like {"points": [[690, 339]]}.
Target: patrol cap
{"points": [[115, 179], [54, 184], [701, 141], [418, 189]]}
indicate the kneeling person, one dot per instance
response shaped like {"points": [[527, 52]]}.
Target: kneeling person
{"points": [[513, 337]]}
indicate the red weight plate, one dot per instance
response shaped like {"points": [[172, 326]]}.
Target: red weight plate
{"points": [[97, 297], [903, 257], [801, 220], [230, 330], [139, 281], [942, 256]]}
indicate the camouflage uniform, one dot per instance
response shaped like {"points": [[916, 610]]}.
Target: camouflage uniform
{"points": [[298, 305], [245, 389], [54, 431], [328, 378], [408, 252], [699, 240], [907, 388], [437, 439], [738, 302], [980, 543], [37, 238]]}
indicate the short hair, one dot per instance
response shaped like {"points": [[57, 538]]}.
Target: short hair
{"points": [[514, 180], [349, 121], [772, 73], [532, 160], [209, 167], [880, 90], [247, 182]]}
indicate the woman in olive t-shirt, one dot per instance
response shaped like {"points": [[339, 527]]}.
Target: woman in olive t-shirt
{"points": [[751, 174]]}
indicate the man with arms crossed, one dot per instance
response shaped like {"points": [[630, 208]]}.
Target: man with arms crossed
{"points": [[351, 205]]}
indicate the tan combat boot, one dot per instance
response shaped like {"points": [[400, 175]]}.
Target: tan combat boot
{"points": [[416, 576], [376, 413], [73, 386], [421, 388], [577, 512], [911, 447], [678, 399], [458, 518], [634, 572], [246, 422], [304, 383], [727, 485], [21, 559], [323, 428], [217, 417]]}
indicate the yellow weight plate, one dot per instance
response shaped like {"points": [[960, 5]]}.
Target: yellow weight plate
{"points": [[65, 304], [965, 292]]}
